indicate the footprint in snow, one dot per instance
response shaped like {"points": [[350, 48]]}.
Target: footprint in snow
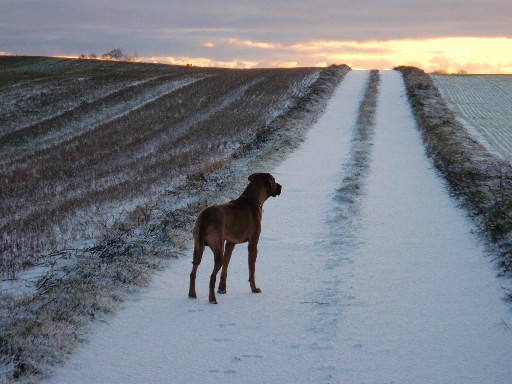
{"points": [[252, 356], [222, 325], [230, 372], [222, 340]]}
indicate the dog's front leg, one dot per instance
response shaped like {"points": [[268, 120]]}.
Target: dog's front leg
{"points": [[253, 254], [225, 263], [217, 254]]}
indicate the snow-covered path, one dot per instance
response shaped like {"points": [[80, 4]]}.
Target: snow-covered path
{"points": [[427, 307], [410, 299]]}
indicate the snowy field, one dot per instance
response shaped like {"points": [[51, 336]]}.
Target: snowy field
{"points": [[409, 297], [484, 105], [88, 145]]}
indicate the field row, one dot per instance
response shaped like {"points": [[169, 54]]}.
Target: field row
{"points": [[85, 165], [483, 102]]}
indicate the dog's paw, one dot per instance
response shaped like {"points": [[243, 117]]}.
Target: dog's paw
{"points": [[256, 290], [213, 301], [222, 292], [192, 295]]}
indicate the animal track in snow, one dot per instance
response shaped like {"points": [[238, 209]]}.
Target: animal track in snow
{"points": [[222, 340]]}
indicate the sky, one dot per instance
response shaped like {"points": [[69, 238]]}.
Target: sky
{"points": [[473, 36]]}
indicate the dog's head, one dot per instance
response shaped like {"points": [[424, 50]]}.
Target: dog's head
{"points": [[266, 179]]}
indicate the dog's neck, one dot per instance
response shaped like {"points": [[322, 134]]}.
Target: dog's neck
{"points": [[255, 194], [252, 200]]}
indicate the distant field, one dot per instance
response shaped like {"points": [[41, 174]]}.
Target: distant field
{"points": [[85, 144], [485, 103]]}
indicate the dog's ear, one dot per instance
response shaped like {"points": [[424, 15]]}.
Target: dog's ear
{"points": [[271, 180], [250, 177]]}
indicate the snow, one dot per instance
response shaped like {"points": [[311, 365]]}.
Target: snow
{"points": [[412, 299], [483, 105]]}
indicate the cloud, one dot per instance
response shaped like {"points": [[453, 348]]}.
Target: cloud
{"points": [[252, 44], [451, 54], [260, 33], [473, 55], [440, 63], [201, 62]]}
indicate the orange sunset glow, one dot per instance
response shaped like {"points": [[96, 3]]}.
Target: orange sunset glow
{"points": [[450, 54]]}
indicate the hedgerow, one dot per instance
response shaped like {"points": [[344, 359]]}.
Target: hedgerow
{"points": [[480, 180]]}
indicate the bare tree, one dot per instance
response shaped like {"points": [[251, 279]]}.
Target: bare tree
{"points": [[115, 54]]}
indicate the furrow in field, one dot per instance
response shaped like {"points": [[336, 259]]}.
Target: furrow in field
{"points": [[42, 99], [106, 155], [485, 103], [31, 94], [86, 116], [123, 162]]}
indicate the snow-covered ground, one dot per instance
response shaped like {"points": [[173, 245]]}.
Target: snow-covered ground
{"points": [[483, 104], [411, 298]]}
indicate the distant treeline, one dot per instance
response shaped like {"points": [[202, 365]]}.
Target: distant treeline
{"points": [[116, 54]]}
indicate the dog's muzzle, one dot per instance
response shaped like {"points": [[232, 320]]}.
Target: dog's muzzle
{"points": [[276, 191]]}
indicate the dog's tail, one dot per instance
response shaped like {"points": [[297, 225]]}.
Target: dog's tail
{"points": [[198, 253], [199, 245]]}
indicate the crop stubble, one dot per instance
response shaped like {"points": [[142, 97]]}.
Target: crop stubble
{"points": [[68, 168], [485, 102]]}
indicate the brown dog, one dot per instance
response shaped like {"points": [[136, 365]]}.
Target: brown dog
{"points": [[223, 226]]}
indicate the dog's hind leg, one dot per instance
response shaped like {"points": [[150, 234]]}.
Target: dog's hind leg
{"points": [[198, 255], [228, 250], [253, 254], [217, 254]]}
